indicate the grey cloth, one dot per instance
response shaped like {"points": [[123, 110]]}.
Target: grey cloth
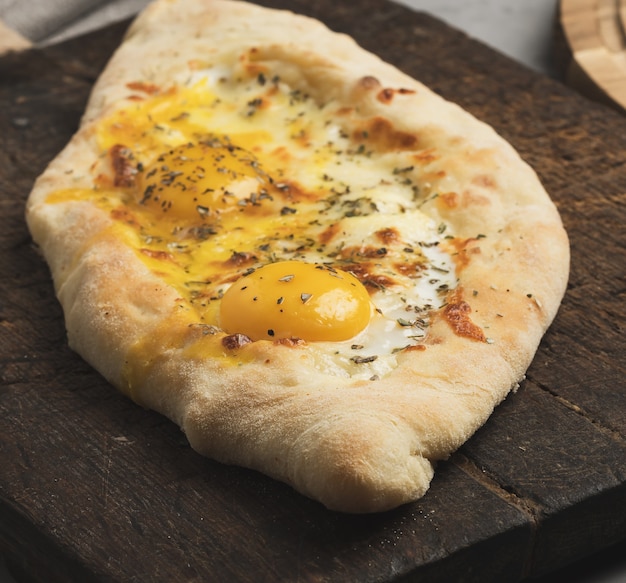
{"points": [[38, 19], [46, 21]]}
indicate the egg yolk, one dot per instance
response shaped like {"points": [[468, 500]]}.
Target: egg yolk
{"points": [[199, 180], [292, 299]]}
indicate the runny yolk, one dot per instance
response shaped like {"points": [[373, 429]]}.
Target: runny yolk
{"points": [[198, 180], [292, 299]]}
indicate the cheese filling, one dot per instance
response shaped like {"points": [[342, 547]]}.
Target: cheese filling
{"points": [[275, 220]]}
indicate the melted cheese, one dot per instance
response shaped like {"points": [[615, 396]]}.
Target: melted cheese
{"points": [[223, 178]]}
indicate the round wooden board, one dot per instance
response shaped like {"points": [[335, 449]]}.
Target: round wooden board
{"points": [[595, 31]]}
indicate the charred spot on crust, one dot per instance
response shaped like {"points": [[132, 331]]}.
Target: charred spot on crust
{"points": [[124, 215], [388, 236], [239, 258], [463, 249], [380, 133], [485, 180], [415, 348], [290, 342], [425, 156], [409, 269], [366, 251], [449, 199], [156, 254], [329, 233], [124, 169], [387, 94], [234, 341], [149, 88], [368, 82], [458, 315], [363, 271]]}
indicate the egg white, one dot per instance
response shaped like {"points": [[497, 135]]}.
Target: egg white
{"points": [[359, 193]]}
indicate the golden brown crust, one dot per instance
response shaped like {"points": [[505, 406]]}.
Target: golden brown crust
{"points": [[357, 446]]}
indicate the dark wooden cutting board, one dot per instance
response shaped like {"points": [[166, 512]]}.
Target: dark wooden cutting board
{"points": [[93, 487]]}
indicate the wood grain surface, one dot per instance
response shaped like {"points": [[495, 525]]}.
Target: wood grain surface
{"points": [[94, 488], [595, 33]]}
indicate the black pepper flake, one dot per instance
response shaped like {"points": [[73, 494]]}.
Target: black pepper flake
{"points": [[363, 359], [287, 211], [202, 232], [400, 349], [147, 193], [286, 278], [180, 117], [402, 170], [203, 211], [305, 297], [270, 332], [280, 300]]}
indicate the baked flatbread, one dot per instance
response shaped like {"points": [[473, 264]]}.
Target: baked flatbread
{"points": [[309, 261]]}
